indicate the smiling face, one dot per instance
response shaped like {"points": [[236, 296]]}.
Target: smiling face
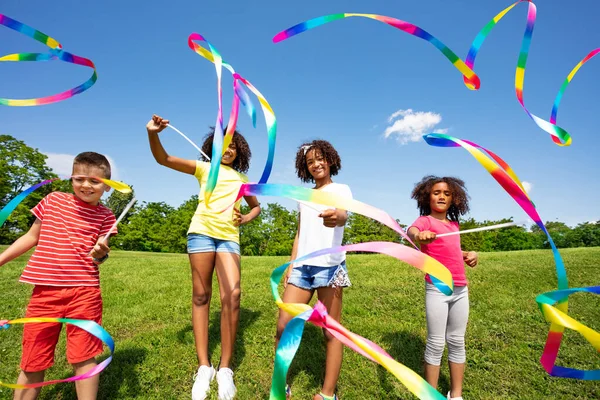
{"points": [[440, 199], [86, 185], [317, 165], [230, 154]]}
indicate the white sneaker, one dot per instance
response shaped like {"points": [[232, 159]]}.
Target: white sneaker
{"points": [[227, 389], [453, 398], [202, 380]]}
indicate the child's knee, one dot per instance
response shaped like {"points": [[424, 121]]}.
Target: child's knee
{"points": [[201, 299], [456, 349], [232, 298], [328, 336], [434, 349], [281, 324], [86, 364]]}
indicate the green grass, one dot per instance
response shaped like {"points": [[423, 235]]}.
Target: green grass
{"points": [[147, 311]]}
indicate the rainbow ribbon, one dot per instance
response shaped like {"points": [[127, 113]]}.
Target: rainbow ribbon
{"points": [[11, 205], [472, 81], [555, 315], [56, 53], [89, 326], [292, 334], [302, 313], [220, 144]]}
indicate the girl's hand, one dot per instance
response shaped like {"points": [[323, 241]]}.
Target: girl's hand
{"points": [[425, 237], [330, 218], [470, 258], [156, 124], [238, 217]]}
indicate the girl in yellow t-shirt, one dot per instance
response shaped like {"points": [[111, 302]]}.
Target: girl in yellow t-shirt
{"points": [[213, 243]]}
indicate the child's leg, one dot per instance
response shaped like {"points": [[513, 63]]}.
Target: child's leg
{"points": [[202, 270], [83, 303], [332, 299], [436, 311], [458, 315], [291, 294], [87, 389], [25, 378], [228, 274], [39, 339]]}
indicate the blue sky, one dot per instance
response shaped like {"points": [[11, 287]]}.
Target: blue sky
{"points": [[340, 82]]}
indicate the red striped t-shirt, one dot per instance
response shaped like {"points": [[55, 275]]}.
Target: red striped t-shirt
{"points": [[70, 230]]}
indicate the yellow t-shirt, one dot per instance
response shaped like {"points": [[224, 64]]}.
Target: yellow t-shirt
{"points": [[208, 221]]}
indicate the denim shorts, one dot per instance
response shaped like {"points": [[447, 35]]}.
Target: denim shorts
{"points": [[312, 277], [198, 243]]}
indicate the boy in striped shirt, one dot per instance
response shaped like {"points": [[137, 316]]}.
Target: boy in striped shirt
{"points": [[68, 233]]}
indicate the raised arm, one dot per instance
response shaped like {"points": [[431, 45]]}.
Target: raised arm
{"points": [[154, 127]]}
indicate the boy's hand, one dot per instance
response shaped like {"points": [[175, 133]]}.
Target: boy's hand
{"points": [[156, 124], [470, 259], [425, 237], [100, 250], [330, 218]]}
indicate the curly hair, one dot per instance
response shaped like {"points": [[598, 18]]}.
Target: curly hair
{"points": [[241, 163], [93, 159], [460, 199], [326, 149]]}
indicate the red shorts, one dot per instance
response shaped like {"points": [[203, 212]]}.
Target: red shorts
{"points": [[39, 339]]}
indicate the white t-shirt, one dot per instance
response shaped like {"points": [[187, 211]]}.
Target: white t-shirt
{"points": [[316, 236]]}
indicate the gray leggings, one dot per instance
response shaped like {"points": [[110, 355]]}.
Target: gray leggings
{"points": [[447, 318]]}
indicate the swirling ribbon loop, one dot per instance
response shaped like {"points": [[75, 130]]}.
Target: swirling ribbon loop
{"points": [[557, 316], [89, 326], [472, 81], [220, 144], [55, 53]]}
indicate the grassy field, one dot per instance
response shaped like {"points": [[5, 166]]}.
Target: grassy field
{"points": [[147, 311]]}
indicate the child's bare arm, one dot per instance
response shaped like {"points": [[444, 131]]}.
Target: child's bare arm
{"points": [[424, 237], [154, 127], [241, 219], [22, 244]]}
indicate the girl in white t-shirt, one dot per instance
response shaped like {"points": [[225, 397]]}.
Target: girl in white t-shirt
{"points": [[319, 227]]}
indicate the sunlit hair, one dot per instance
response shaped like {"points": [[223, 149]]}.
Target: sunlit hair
{"points": [[241, 163], [92, 159], [324, 148], [460, 199]]}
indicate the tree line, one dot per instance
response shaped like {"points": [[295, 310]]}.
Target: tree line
{"points": [[160, 227]]}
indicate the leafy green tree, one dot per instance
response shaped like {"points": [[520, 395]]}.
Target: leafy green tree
{"points": [[280, 230], [21, 166], [176, 225], [360, 229], [252, 235], [117, 202], [585, 234], [146, 229], [559, 231]]}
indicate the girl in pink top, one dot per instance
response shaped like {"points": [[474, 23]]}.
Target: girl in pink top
{"points": [[441, 201]]}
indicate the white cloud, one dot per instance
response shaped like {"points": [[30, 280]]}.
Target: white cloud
{"points": [[62, 164], [527, 186], [411, 125]]}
